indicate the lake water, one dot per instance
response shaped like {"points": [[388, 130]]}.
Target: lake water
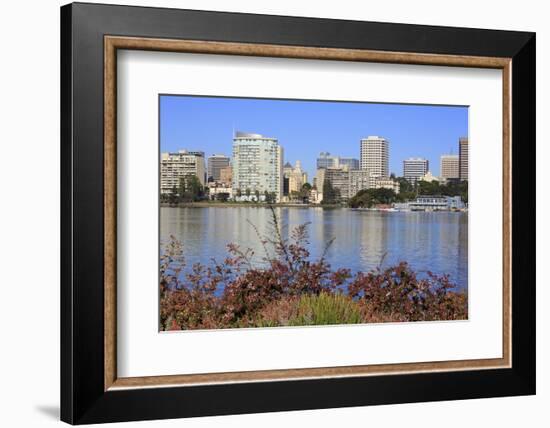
{"points": [[435, 241]]}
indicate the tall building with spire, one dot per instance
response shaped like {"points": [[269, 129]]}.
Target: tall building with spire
{"points": [[296, 176]]}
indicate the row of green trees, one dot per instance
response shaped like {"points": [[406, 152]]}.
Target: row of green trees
{"points": [[369, 197], [408, 192], [190, 189]]}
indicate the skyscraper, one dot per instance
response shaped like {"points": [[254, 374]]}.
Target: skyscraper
{"points": [[174, 166], [257, 165], [414, 169], [463, 157], [375, 156], [215, 164], [449, 167], [296, 176]]}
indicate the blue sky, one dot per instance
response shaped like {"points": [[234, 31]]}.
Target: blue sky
{"points": [[305, 128]]}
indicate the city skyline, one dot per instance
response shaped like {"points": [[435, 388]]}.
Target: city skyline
{"points": [[306, 128]]}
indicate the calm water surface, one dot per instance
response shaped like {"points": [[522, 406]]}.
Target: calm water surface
{"points": [[363, 239]]}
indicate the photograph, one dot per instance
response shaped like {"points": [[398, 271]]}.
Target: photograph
{"points": [[285, 213]]}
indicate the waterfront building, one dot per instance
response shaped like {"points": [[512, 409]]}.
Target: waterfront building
{"points": [[386, 183], [375, 156], [175, 166], [338, 178], [349, 182], [463, 158], [414, 169], [449, 167], [215, 164], [436, 203], [257, 166], [220, 191], [359, 179], [226, 175], [314, 196]]}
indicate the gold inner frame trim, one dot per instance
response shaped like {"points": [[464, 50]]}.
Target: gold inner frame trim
{"points": [[113, 43]]}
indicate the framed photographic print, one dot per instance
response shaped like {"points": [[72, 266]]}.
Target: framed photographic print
{"points": [[265, 213]]}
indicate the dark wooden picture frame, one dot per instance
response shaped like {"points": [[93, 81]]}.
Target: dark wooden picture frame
{"points": [[90, 37]]}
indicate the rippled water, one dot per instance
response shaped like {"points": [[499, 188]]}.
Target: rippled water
{"points": [[363, 239]]}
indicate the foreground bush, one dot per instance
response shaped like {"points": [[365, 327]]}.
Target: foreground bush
{"points": [[294, 290]]}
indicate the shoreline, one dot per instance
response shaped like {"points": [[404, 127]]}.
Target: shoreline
{"points": [[244, 204], [289, 205]]}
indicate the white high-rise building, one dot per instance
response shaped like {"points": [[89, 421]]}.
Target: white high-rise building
{"points": [[375, 156], [449, 167], [174, 166], [415, 168], [257, 165]]}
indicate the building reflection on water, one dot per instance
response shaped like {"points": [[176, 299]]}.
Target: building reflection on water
{"points": [[363, 240]]}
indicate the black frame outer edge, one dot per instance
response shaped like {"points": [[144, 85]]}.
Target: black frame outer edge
{"points": [[66, 98], [82, 397]]}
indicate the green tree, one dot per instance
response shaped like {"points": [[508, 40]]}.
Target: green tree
{"points": [[429, 188], [363, 199], [305, 192], [190, 189], [257, 195], [294, 195], [451, 188], [222, 197], [369, 197], [330, 194], [270, 197], [404, 185], [173, 197]]}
